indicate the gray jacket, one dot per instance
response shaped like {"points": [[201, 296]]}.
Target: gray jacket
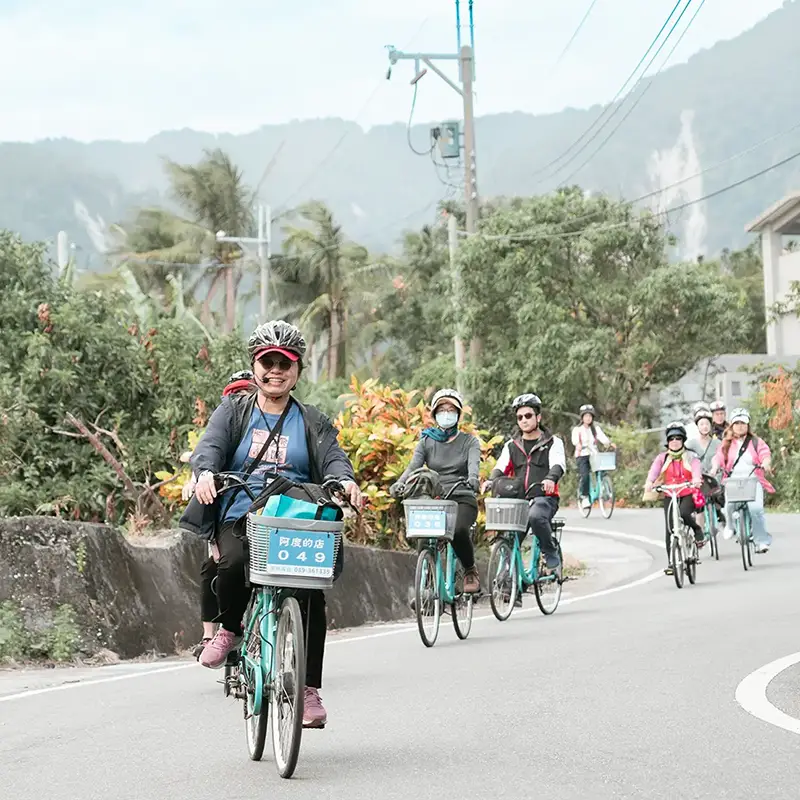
{"points": [[225, 431]]}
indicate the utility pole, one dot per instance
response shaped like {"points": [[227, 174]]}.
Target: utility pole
{"points": [[458, 342], [466, 72], [264, 238]]}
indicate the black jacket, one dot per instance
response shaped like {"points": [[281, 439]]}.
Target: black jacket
{"points": [[225, 431]]}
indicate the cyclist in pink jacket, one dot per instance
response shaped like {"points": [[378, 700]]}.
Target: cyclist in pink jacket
{"points": [[741, 455]]}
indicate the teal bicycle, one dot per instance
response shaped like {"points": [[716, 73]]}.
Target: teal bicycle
{"points": [[439, 576], [738, 493], [507, 576], [710, 528], [601, 487], [286, 556]]}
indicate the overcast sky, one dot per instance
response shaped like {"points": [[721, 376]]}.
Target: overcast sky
{"points": [[87, 70]]}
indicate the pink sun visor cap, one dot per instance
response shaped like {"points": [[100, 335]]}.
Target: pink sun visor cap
{"points": [[264, 350]]}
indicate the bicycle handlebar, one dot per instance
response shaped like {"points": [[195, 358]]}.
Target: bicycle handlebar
{"points": [[674, 487]]}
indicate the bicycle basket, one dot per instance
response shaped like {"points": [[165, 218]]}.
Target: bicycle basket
{"points": [[503, 514], [741, 490], [603, 462], [293, 553], [430, 519]]}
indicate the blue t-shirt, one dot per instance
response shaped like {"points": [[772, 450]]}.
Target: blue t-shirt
{"points": [[287, 455]]}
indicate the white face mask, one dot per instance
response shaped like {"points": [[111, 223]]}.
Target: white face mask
{"points": [[446, 419]]}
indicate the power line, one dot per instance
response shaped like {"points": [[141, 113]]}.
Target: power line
{"points": [[615, 109], [574, 36], [613, 100], [540, 234], [641, 94], [408, 128]]}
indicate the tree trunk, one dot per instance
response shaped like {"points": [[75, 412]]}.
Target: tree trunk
{"points": [[230, 300], [212, 290], [333, 343]]}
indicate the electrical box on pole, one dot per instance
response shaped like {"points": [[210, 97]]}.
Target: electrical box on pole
{"points": [[448, 138]]}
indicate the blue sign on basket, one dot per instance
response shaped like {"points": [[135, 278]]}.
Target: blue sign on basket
{"points": [[301, 553], [426, 522]]}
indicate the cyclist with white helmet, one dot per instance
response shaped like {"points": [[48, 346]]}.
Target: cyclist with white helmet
{"points": [[585, 438], [705, 445], [718, 422], [536, 461], [741, 455], [455, 456], [265, 433]]}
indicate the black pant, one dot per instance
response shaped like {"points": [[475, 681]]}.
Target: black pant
{"points": [[462, 541], [540, 515], [209, 608], [233, 595], [687, 509], [584, 471]]}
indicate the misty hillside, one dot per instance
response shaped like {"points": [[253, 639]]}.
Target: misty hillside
{"points": [[723, 100]]}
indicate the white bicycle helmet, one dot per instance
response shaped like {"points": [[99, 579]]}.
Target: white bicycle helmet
{"points": [[447, 394], [740, 415], [527, 400], [279, 336], [718, 405]]}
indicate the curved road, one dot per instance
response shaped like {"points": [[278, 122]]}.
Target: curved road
{"points": [[625, 694]]}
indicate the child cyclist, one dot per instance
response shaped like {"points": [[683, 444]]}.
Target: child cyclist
{"points": [[678, 465]]}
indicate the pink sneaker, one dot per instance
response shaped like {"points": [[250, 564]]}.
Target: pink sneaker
{"points": [[216, 651], [314, 714]]}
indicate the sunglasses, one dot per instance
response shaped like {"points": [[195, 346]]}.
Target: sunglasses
{"points": [[675, 439], [283, 364], [521, 417]]}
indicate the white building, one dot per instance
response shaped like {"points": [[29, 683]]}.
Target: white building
{"points": [[781, 268]]}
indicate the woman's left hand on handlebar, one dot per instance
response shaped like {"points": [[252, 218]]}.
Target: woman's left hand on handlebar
{"points": [[548, 486]]}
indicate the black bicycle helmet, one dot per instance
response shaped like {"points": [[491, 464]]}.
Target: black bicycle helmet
{"points": [[587, 408], [675, 429], [527, 400], [279, 336]]}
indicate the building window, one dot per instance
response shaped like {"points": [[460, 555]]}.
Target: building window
{"points": [[736, 388]]}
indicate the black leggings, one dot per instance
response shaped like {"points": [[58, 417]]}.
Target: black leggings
{"points": [[209, 608], [687, 509], [584, 471], [233, 595], [462, 541]]}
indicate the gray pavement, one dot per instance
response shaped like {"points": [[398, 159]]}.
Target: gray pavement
{"points": [[627, 694]]}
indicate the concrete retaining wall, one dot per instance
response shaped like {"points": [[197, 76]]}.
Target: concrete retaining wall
{"points": [[143, 596]]}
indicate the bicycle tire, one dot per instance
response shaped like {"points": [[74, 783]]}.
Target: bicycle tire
{"points": [[676, 559], [606, 508], [426, 561], [290, 621], [741, 532], [713, 531], [462, 601], [691, 562], [584, 511], [255, 727], [539, 586], [501, 553], [751, 545]]}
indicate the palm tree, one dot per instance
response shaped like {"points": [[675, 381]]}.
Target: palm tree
{"points": [[332, 272], [214, 198]]}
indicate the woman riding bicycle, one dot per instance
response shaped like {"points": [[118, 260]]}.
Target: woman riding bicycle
{"points": [[677, 465], [585, 438], [301, 445], [455, 456], [706, 446], [741, 455]]}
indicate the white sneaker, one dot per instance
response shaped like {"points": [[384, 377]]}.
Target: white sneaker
{"points": [[585, 503], [727, 533]]}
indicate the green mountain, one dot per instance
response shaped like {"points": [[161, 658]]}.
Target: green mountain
{"points": [[723, 100]]}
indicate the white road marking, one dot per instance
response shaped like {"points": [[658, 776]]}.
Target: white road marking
{"points": [[394, 630], [751, 694]]}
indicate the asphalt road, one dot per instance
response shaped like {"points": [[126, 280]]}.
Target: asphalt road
{"points": [[621, 694]]}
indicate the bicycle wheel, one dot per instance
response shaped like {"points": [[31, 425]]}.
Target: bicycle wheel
{"points": [[691, 561], [255, 725], [287, 694], [742, 534], [426, 592], [713, 531], [461, 608], [606, 500], [748, 526], [547, 589], [502, 578], [588, 510], [676, 559]]}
